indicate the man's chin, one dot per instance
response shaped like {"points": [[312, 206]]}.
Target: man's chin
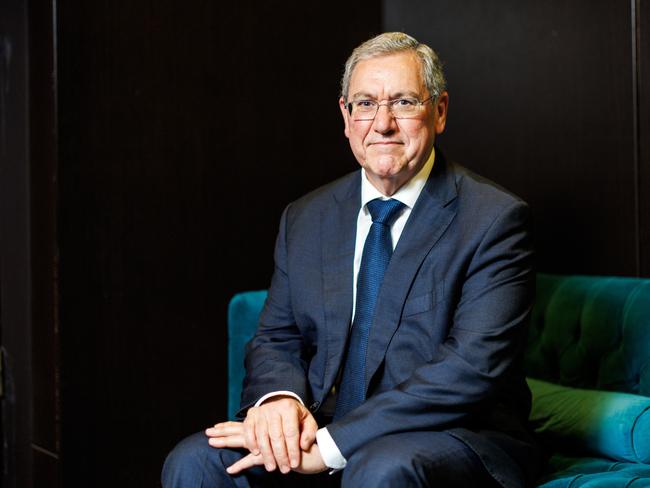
{"points": [[387, 169]]}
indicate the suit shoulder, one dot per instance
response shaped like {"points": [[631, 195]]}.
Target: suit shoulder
{"points": [[341, 188], [480, 190]]}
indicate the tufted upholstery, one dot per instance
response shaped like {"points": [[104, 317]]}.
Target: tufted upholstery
{"points": [[596, 473], [591, 332]]}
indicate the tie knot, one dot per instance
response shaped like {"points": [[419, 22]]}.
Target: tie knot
{"points": [[384, 211]]}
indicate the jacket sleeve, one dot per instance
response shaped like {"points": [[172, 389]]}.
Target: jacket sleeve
{"points": [[275, 356], [482, 348]]}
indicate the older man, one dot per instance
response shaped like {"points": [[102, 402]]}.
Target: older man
{"points": [[389, 348]]}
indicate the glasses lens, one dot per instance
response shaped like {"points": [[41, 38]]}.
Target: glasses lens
{"points": [[363, 109], [404, 107]]}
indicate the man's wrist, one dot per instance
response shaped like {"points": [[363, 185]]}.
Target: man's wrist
{"points": [[278, 393], [329, 451]]}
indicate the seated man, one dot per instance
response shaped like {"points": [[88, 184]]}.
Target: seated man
{"points": [[389, 350]]}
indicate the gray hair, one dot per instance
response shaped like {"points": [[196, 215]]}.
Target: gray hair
{"points": [[395, 42]]}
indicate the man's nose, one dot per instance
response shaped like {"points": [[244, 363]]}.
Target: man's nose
{"points": [[384, 120]]}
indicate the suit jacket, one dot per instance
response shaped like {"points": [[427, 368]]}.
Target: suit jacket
{"points": [[449, 329]]}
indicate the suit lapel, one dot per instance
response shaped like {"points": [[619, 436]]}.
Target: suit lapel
{"points": [[338, 233], [429, 218]]}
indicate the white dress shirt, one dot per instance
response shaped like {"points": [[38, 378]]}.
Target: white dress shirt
{"points": [[408, 195]]}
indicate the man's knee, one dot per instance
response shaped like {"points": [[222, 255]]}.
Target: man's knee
{"points": [[189, 450], [415, 460], [380, 463], [193, 462]]}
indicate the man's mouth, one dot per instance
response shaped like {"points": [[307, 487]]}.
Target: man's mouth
{"points": [[387, 143]]}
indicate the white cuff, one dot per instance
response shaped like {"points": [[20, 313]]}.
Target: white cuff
{"points": [[278, 393], [331, 454]]}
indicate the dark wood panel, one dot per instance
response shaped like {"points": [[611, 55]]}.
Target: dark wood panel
{"points": [[185, 127], [541, 102], [46, 470], [43, 154], [643, 66], [15, 313]]}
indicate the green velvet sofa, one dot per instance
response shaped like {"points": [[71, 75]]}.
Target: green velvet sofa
{"points": [[588, 366]]}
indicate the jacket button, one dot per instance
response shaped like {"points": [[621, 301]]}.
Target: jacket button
{"points": [[314, 406]]}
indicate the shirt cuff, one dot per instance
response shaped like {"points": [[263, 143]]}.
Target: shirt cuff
{"points": [[278, 393], [331, 454]]}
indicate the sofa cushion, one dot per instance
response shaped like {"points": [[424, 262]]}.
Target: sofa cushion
{"points": [[566, 472], [603, 423]]}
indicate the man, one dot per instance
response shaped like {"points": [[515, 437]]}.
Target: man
{"points": [[390, 345]]}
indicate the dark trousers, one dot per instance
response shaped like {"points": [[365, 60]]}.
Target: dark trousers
{"points": [[411, 459]]}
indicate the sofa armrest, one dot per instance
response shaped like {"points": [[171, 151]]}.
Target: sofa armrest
{"points": [[602, 423]]}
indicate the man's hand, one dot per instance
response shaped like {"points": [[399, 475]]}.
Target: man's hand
{"points": [[279, 431], [232, 435]]}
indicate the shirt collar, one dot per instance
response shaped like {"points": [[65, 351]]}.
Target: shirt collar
{"points": [[407, 194]]}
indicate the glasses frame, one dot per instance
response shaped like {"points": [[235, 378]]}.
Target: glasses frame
{"points": [[388, 104]]}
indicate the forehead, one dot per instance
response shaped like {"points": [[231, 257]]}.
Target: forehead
{"points": [[388, 75]]}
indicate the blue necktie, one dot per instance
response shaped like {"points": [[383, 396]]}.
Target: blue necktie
{"points": [[377, 251]]}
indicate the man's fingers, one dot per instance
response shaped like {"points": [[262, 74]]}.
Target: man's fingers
{"points": [[225, 429], [232, 441], [308, 434], [250, 436], [245, 463], [223, 425], [262, 435], [278, 444], [291, 430]]}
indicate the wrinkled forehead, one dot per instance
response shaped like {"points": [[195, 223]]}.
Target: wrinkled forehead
{"points": [[390, 75]]}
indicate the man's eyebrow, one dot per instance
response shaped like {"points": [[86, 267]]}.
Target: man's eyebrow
{"points": [[400, 94], [362, 95], [407, 93]]}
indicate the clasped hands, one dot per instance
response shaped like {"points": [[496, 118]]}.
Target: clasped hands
{"points": [[280, 433]]}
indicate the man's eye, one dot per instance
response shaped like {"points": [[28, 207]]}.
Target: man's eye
{"points": [[405, 102], [364, 103]]}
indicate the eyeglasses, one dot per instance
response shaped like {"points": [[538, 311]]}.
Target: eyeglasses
{"points": [[401, 108]]}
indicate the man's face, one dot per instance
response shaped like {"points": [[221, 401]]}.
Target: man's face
{"points": [[392, 150]]}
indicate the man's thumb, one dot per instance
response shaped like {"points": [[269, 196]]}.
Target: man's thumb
{"points": [[308, 433]]}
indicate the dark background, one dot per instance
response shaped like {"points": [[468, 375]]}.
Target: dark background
{"points": [[148, 148]]}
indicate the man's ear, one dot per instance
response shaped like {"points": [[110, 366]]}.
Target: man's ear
{"points": [[346, 117], [440, 112]]}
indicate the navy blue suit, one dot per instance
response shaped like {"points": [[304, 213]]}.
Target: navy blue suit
{"points": [[449, 330], [445, 348]]}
